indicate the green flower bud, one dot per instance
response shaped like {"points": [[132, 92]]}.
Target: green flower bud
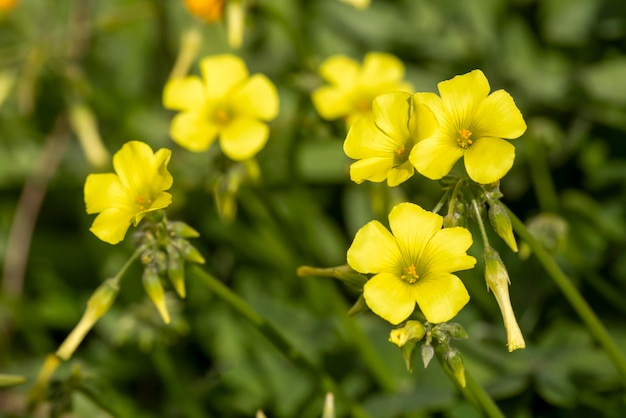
{"points": [[501, 223], [408, 350], [454, 361], [154, 289], [189, 252], [176, 270], [181, 229], [498, 282], [454, 330], [427, 353], [411, 331]]}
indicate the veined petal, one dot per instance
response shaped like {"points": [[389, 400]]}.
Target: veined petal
{"points": [[389, 297], [434, 157], [193, 131], [257, 98], [340, 70], [489, 159], [221, 73], [374, 250], [103, 191], [413, 227], [381, 68], [498, 116], [399, 174], [391, 115], [365, 140], [435, 104], [331, 102], [462, 96], [162, 179], [111, 225], [422, 123], [373, 169], [446, 252], [243, 138], [134, 165], [183, 93], [440, 297]]}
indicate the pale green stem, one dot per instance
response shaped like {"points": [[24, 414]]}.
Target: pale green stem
{"points": [[481, 225], [580, 305], [274, 336]]}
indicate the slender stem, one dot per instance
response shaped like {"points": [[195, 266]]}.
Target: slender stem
{"points": [[580, 305], [274, 336], [542, 179], [126, 265], [453, 196], [481, 225]]}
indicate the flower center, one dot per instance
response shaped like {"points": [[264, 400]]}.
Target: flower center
{"points": [[463, 138], [402, 154], [222, 116], [143, 202], [410, 274]]}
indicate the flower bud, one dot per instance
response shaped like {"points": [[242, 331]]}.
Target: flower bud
{"points": [[498, 282], [501, 223], [85, 126], [189, 252], [454, 330], [154, 288], [181, 229], [411, 331], [176, 270], [428, 352], [454, 361], [235, 14], [98, 304]]}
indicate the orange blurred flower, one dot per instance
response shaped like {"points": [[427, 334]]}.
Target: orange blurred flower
{"points": [[6, 5], [207, 10]]}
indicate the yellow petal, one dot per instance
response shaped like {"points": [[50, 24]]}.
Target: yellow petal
{"points": [[435, 104], [135, 166], [193, 131], [434, 157], [489, 159], [257, 98], [183, 93], [222, 73], [162, 180], [103, 191], [111, 225], [391, 114], [243, 138], [331, 102], [340, 70], [446, 252], [365, 140], [498, 116], [399, 174], [422, 123], [463, 94], [389, 297], [413, 227], [374, 250], [440, 297], [162, 200], [380, 68], [373, 169]]}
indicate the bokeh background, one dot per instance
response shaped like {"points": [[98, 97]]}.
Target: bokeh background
{"points": [[564, 62]]}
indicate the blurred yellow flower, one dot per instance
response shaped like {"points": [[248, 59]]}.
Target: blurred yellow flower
{"points": [[6, 5], [472, 123], [353, 87], [359, 4], [126, 196], [207, 10], [412, 264], [383, 139], [226, 102]]}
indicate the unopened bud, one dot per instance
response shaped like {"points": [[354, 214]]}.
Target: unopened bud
{"points": [[501, 223], [181, 229], [189, 252], [454, 361], [98, 304], [176, 270], [450, 220], [154, 289], [235, 14], [498, 282], [411, 331], [85, 126], [454, 330], [428, 352]]}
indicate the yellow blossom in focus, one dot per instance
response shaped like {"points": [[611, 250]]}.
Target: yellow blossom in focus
{"points": [[472, 123], [136, 188], [208, 10], [226, 103], [412, 264], [382, 140], [353, 87]]}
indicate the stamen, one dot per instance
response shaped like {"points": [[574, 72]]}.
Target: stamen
{"points": [[143, 202], [463, 139], [410, 274]]}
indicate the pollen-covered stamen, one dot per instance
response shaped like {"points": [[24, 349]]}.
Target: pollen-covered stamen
{"points": [[410, 274], [463, 138], [143, 202]]}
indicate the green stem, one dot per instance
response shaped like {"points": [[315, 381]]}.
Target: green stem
{"points": [[481, 225], [126, 265], [274, 336], [580, 305], [542, 179]]}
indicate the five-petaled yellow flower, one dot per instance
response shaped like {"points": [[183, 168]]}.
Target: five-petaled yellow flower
{"points": [[383, 139], [227, 103], [137, 187], [352, 88], [412, 264], [472, 123]]}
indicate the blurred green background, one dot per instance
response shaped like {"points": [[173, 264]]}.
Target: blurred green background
{"points": [[564, 62]]}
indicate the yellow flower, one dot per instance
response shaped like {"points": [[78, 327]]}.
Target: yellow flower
{"points": [[412, 263], [352, 87], [137, 187], [472, 123], [359, 4], [383, 139], [208, 10], [227, 103]]}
